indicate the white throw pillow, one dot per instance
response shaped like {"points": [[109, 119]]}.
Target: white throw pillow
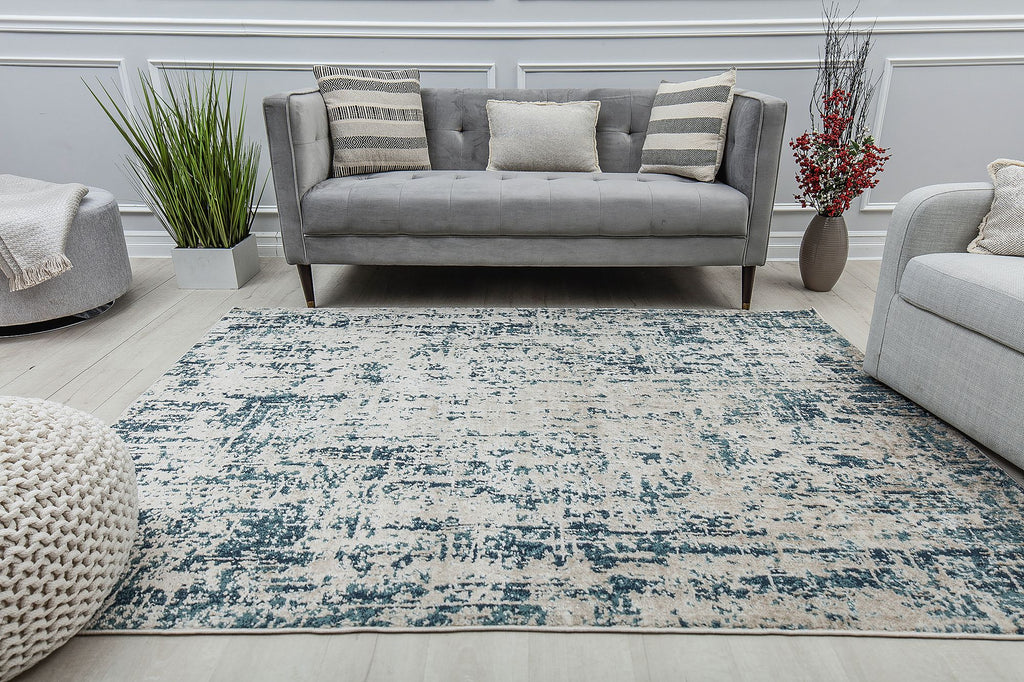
{"points": [[686, 135], [543, 136], [1002, 231]]}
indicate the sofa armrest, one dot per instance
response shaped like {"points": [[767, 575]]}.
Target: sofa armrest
{"points": [[300, 155], [934, 219], [753, 147]]}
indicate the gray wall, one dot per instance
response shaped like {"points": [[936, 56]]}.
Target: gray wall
{"points": [[950, 96]]}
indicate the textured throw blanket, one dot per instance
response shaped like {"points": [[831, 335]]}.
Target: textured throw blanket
{"points": [[35, 217]]}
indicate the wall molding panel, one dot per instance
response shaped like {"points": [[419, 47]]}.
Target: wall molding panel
{"points": [[885, 92], [155, 66], [524, 69], [453, 30], [116, 63]]}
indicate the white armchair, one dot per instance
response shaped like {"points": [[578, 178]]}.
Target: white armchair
{"points": [[948, 326]]}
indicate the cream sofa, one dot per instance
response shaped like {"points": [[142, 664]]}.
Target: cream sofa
{"points": [[948, 326]]}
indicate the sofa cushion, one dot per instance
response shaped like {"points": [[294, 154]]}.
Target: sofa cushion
{"points": [[519, 203], [543, 136], [980, 292]]}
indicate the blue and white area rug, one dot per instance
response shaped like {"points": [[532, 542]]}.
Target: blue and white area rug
{"points": [[359, 469]]}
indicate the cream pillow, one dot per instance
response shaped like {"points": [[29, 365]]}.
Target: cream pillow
{"points": [[1002, 231], [686, 134], [376, 119], [543, 136]]}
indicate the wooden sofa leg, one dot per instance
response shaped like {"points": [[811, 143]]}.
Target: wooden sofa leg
{"points": [[748, 284], [306, 279]]}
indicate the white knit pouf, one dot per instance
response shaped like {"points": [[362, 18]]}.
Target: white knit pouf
{"points": [[68, 518]]}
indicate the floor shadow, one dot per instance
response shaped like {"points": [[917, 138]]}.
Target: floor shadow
{"points": [[692, 287]]}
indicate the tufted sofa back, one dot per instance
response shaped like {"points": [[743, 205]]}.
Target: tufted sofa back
{"points": [[457, 132]]}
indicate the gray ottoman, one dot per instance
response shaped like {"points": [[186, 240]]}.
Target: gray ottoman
{"points": [[99, 275]]}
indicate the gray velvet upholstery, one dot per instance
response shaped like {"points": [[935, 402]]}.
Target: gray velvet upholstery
{"points": [[523, 204], [515, 251], [947, 328], [100, 271], [753, 145], [300, 153], [457, 133], [462, 206]]}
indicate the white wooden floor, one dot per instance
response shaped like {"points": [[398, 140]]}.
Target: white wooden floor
{"points": [[101, 366]]}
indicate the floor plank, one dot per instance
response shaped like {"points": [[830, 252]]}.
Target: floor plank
{"points": [[106, 363], [399, 657], [476, 656]]}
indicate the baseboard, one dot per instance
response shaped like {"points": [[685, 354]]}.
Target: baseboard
{"points": [[867, 245], [783, 246], [152, 244]]}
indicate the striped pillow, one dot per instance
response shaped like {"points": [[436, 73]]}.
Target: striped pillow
{"points": [[686, 135], [376, 119]]}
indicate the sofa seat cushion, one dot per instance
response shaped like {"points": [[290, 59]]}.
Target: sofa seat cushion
{"points": [[521, 203], [980, 292]]}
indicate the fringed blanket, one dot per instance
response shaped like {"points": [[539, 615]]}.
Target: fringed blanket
{"points": [[35, 217]]}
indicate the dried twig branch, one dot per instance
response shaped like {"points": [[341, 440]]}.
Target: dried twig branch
{"points": [[843, 65]]}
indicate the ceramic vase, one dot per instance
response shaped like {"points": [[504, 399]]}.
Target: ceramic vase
{"points": [[823, 252]]}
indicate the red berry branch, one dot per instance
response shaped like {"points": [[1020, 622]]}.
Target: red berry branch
{"points": [[835, 165]]}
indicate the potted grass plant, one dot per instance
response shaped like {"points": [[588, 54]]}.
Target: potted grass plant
{"points": [[193, 166]]}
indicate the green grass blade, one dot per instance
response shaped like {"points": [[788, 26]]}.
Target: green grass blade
{"points": [[190, 159]]}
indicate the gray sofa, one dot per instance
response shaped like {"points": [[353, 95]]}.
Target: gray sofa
{"points": [[948, 326], [460, 214]]}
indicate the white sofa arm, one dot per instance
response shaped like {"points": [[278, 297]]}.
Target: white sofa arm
{"points": [[933, 219]]}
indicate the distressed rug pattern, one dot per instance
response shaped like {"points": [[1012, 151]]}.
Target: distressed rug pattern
{"points": [[409, 468]]}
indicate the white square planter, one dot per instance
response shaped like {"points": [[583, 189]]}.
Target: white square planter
{"points": [[216, 268]]}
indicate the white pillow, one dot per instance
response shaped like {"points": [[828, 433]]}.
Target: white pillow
{"points": [[1002, 231], [543, 136]]}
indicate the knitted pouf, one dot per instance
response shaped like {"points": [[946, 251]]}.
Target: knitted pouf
{"points": [[68, 518]]}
